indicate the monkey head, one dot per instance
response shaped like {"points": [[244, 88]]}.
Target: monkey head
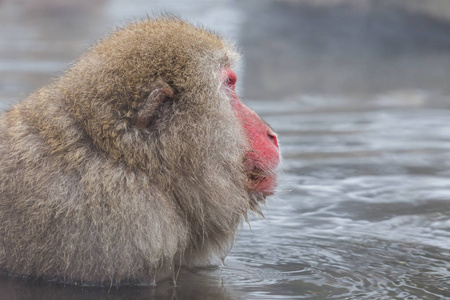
{"points": [[138, 159], [170, 107]]}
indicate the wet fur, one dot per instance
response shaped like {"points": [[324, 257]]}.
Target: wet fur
{"points": [[88, 196]]}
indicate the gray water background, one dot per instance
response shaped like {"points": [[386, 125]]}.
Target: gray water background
{"points": [[358, 91]]}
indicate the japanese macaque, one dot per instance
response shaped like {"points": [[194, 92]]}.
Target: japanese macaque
{"points": [[139, 159]]}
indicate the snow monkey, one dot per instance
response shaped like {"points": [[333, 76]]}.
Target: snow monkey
{"points": [[139, 159]]}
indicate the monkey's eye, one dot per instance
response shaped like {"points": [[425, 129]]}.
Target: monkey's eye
{"points": [[230, 78]]}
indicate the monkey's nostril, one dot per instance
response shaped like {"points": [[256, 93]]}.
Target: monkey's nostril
{"points": [[272, 137]]}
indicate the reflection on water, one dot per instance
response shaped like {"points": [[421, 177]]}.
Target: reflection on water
{"points": [[358, 93]]}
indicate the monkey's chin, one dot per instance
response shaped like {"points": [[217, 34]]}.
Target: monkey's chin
{"points": [[263, 186]]}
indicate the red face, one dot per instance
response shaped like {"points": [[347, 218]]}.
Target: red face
{"points": [[263, 155]]}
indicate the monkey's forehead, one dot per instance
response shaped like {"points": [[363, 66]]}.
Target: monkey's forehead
{"points": [[166, 36]]}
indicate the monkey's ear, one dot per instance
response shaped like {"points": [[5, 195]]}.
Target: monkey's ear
{"points": [[153, 107]]}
